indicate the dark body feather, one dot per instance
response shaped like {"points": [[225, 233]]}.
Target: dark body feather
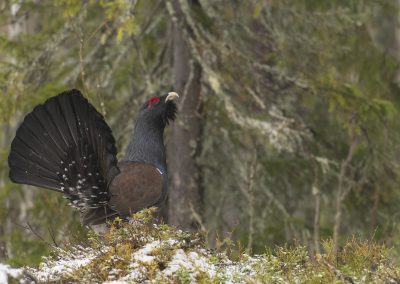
{"points": [[138, 186], [65, 145]]}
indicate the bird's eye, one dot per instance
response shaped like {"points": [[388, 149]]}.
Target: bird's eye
{"points": [[153, 101]]}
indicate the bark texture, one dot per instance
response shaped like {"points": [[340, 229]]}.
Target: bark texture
{"points": [[185, 194]]}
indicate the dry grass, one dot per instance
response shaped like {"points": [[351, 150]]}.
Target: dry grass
{"points": [[141, 251]]}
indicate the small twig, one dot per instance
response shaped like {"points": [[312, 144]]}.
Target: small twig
{"points": [[248, 193], [147, 77], [81, 60], [343, 188], [316, 192], [197, 217], [30, 228], [104, 24], [338, 273], [53, 236], [80, 35]]}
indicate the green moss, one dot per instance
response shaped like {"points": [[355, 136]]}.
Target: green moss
{"points": [[141, 250]]}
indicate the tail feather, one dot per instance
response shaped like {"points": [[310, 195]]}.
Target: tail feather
{"points": [[65, 145], [29, 178], [34, 140], [33, 165]]}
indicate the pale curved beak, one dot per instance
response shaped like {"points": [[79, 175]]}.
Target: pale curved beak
{"points": [[171, 96]]}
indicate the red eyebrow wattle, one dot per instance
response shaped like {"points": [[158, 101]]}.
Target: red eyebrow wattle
{"points": [[153, 100]]}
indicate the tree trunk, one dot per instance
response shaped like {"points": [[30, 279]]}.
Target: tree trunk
{"points": [[185, 193], [317, 216], [343, 189], [397, 45]]}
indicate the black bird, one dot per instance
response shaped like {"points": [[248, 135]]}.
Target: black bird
{"points": [[65, 145]]}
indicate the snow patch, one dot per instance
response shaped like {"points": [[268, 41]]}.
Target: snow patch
{"points": [[6, 271], [192, 262], [144, 254], [52, 270]]}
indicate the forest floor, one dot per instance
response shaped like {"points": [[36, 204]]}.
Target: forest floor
{"points": [[141, 251]]}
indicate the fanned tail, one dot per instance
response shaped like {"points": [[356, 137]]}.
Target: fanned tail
{"points": [[65, 145]]}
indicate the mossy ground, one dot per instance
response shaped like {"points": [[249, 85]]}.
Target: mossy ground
{"points": [[141, 251]]}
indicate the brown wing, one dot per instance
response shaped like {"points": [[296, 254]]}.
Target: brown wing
{"points": [[138, 186]]}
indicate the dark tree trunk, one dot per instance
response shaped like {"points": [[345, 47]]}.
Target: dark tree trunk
{"points": [[185, 194]]}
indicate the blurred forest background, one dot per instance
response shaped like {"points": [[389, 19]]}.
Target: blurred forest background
{"points": [[289, 113]]}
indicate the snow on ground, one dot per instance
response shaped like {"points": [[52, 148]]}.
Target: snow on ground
{"points": [[144, 254], [140, 252], [52, 270], [6, 271], [189, 263]]}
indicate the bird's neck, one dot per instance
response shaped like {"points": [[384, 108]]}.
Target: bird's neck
{"points": [[147, 145]]}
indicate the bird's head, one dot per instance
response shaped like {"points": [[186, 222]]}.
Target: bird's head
{"points": [[160, 109]]}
